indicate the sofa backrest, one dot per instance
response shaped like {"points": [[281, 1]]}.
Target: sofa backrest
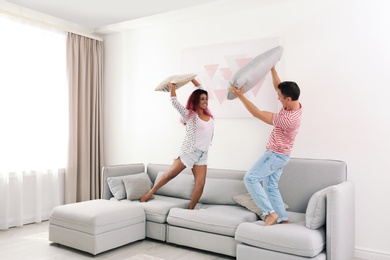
{"points": [[301, 178], [115, 171]]}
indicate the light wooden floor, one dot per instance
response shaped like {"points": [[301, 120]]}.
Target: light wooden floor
{"points": [[31, 242]]}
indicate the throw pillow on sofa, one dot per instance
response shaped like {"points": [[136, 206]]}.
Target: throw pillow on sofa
{"points": [[246, 201], [136, 187], [316, 209], [116, 187]]}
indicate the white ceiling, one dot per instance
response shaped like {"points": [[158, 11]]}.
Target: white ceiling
{"points": [[93, 14], [99, 17]]}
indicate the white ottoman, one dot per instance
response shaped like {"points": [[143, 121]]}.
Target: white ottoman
{"points": [[96, 226]]}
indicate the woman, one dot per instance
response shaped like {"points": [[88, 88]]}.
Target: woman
{"points": [[199, 124]]}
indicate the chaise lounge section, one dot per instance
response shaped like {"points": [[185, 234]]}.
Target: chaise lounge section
{"points": [[96, 226]]}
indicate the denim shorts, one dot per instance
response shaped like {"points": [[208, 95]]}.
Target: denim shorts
{"points": [[197, 157]]}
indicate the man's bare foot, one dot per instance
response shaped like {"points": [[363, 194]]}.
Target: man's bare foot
{"points": [[146, 197], [271, 219]]}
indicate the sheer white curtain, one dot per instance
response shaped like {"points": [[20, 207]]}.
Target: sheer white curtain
{"points": [[33, 121]]}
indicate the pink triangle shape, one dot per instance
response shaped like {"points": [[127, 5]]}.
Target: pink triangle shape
{"points": [[242, 62], [211, 69], [257, 87], [221, 95], [226, 73]]}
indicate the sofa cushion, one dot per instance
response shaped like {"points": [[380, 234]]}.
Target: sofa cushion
{"points": [[179, 187], [218, 219], [316, 209], [157, 209], [212, 191], [292, 238], [117, 186]]}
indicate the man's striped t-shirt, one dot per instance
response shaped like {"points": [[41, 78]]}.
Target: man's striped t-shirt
{"points": [[286, 124]]}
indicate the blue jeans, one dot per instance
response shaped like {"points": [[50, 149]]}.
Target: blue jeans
{"points": [[268, 169]]}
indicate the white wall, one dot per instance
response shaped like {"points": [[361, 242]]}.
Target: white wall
{"points": [[337, 51]]}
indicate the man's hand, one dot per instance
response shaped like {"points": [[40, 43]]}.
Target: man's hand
{"points": [[262, 115], [236, 91]]}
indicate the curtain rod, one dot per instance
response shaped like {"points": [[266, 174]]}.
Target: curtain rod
{"points": [[51, 25]]}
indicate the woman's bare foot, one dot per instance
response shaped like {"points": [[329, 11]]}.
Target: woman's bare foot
{"points": [[146, 197], [271, 219]]}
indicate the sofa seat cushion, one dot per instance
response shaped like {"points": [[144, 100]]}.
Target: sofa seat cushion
{"points": [[218, 219], [292, 238], [157, 209], [96, 216]]}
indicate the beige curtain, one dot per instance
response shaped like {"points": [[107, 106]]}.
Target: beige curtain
{"points": [[85, 154]]}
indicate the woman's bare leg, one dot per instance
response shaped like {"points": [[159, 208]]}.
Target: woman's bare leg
{"points": [[199, 172], [173, 171]]}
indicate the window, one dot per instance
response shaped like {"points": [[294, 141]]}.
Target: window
{"points": [[33, 97]]}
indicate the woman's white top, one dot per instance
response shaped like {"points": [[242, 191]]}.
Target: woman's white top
{"points": [[204, 134]]}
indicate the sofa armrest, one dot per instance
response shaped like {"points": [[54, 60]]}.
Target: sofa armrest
{"points": [[340, 221], [117, 170]]}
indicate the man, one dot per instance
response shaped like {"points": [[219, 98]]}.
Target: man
{"points": [[269, 167]]}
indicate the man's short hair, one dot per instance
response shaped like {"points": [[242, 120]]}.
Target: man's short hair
{"points": [[289, 89]]}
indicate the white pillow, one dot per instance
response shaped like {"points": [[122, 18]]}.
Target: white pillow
{"points": [[179, 80], [136, 187], [316, 209], [246, 201], [117, 187], [254, 71]]}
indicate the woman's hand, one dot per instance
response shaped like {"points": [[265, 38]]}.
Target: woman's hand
{"points": [[172, 87], [195, 82]]}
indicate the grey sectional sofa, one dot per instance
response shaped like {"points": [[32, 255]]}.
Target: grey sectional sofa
{"points": [[320, 203]]}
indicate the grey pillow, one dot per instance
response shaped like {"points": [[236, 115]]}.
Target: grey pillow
{"points": [[136, 187], [246, 201], [255, 70], [316, 209], [117, 187]]}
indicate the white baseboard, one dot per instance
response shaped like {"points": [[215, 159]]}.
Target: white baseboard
{"points": [[366, 254]]}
